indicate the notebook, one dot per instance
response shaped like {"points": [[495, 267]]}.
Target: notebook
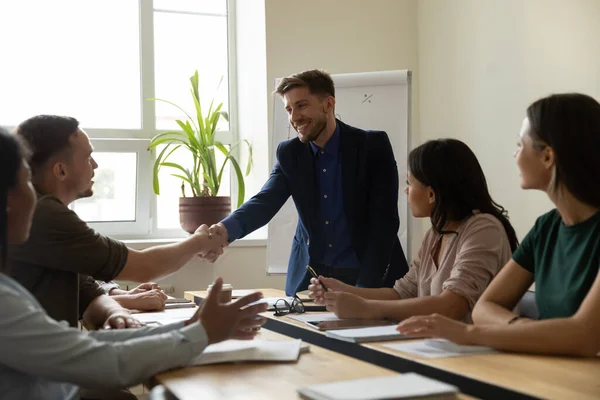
{"points": [[315, 317], [250, 350], [405, 386], [370, 334]]}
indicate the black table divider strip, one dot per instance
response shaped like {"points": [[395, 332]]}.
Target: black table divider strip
{"points": [[469, 386]]}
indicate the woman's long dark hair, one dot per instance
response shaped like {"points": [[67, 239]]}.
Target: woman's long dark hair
{"points": [[570, 124], [10, 161], [452, 171]]}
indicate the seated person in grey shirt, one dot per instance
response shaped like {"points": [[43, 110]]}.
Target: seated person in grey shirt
{"points": [[469, 241], [41, 358], [62, 250], [147, 296]]}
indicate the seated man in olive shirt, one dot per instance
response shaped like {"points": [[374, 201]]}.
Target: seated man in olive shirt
{"points": [[63, 253]]}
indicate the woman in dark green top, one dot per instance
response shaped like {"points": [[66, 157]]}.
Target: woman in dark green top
{"points": [[559, 153]]}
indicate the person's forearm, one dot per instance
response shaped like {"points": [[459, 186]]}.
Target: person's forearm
{"points": [[490, 313], [559, 336], [159, 261], [100, 309], [117, 292], [374, 294], [124, 300], [122, 335], [398, 310]]}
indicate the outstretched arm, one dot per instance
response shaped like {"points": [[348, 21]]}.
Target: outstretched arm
{"points": [[259, 210]]}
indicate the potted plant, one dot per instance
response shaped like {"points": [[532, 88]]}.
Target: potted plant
{"points": [[203, 179]]}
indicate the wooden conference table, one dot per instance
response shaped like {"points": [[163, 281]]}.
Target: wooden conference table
{"points": [[267, 380], [489, 376]]}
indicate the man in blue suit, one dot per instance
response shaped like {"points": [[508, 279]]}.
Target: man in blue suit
{"points": [[344, 183]]}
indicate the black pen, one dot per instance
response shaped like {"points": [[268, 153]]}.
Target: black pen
{"points": [[313, 273]]}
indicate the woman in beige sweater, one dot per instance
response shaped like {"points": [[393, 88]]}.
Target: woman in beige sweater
{"points": [[469, 241]]}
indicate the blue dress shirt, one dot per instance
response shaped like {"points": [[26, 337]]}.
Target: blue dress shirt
{"points": [[337, 245]]}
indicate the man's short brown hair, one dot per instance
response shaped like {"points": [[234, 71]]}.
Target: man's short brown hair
{"points": [[317, 81], [46, 136]]}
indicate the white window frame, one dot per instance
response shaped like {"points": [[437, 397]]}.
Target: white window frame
{"points": [[117, 140], [141, 225], [137, 140]]}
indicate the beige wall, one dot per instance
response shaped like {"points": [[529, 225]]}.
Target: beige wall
{"points": [[481, 62], [476, 63]]}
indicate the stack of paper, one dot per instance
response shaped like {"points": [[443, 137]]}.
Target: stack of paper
{"points": [[249, 350], [164, 318], [406, 386], [370, 334], [439, 348], [171, 306]]}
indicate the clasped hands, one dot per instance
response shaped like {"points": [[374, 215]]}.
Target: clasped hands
{"points": [[213, 241]]}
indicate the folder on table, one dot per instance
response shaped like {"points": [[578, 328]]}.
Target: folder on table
{"points": [[405, 386], [368, 334]]}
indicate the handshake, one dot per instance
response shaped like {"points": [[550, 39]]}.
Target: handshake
{"points": [[212, 241]]}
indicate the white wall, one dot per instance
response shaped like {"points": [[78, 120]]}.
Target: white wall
{"points": [[477, 64], [481, 62]]}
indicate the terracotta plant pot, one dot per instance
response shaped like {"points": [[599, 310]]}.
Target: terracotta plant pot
{"points": [[195, 211]]}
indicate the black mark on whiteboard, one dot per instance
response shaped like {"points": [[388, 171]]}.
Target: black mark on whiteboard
{"points": [[367, 98]]}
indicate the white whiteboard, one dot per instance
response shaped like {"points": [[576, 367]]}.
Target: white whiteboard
{"points": [[369, 100]]}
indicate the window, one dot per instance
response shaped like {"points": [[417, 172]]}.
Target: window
{"points": [[101, 61], [120, 204], [70, 64]]}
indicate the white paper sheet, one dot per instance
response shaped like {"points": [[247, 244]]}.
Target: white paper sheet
{"points": [[439, 348], [178, 314]]}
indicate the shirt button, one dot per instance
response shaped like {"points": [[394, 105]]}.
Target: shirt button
{"points": [[325, 196], [324, 170], [326, 222], [322, 152], [330, 245]]}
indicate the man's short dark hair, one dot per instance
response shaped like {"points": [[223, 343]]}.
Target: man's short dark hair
{"points": [[317, 81], [46, 136]]}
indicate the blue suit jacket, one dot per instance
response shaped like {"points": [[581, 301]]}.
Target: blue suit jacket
{"points": [[370, 190]]}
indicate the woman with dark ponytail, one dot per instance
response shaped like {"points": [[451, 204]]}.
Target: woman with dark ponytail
{"points": [[470, 240]]}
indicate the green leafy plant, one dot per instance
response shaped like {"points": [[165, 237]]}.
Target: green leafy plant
{"points": [[197, 135]]}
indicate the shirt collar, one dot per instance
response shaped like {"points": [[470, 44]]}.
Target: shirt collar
{"points": [[332, 146]]}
